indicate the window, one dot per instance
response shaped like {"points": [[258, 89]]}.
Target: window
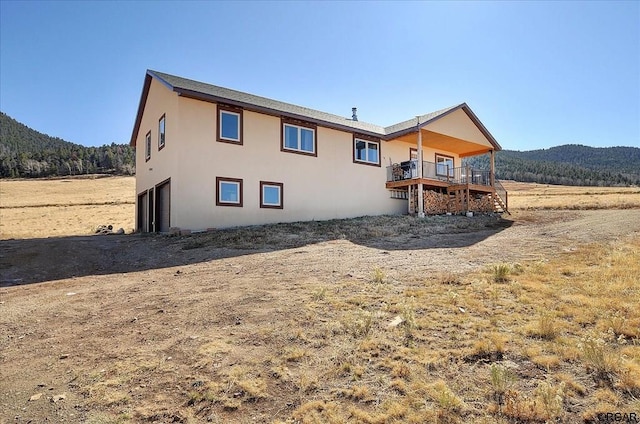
{"points": [[228, 191], [366, 151], [444, 164], [161, 138], [413, 153], [299, 138], [229, 124], [147, 147], [271, 195]]}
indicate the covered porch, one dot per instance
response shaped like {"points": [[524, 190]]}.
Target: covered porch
{"points": [[448, 136]]}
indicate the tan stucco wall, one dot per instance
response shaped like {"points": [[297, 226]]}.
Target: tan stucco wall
{"points": [[399, 152], [315, 188], [458, 124], [161, 165]]}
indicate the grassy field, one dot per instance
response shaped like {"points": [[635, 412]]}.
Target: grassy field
{"points": [[76, 206], [532, 196], [378, 320], [61, 207]]}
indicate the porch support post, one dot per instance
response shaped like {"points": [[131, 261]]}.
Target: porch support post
{"points": [[419, 164], [493, 167]]}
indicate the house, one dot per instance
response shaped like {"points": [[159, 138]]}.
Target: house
{"points": [[212, 157]]}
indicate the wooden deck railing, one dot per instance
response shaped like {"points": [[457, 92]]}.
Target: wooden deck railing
{"points": [[502, 195]]}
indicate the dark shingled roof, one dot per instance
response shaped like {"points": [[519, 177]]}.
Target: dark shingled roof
{"points": [[212, 93]]}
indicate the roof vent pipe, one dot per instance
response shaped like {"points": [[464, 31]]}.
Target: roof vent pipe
{"points": [[354, 113]]}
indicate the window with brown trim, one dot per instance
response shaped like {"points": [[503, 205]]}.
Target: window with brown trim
{"points": [[444, 165], [298, 137], [161, 133], [366, 150], [147, 147], [229, 124], [228, 191], [271, 195]]}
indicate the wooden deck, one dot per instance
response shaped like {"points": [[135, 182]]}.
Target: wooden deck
{"points": [[429, 183]]}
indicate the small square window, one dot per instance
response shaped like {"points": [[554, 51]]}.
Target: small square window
{"points": [[271, 195], [147, 147], [228, 191], [229, 124], [299, 139], [161, 128], [366, 151]]}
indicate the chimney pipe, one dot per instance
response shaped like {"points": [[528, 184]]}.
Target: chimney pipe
{"points": [[354, 112]]}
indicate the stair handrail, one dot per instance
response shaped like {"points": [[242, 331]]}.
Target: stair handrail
{"points": [[502, 194]]}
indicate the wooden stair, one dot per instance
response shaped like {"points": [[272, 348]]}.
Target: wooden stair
{"points": [[498, 203]]}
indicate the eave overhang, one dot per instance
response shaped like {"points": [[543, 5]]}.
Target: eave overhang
{"points": [[389, 134]]}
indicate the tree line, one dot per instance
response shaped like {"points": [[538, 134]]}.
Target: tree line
{"points": [[26, 153], [567, 165]]}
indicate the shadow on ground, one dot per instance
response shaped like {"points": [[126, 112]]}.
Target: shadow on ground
{"points": [[38, 260]]}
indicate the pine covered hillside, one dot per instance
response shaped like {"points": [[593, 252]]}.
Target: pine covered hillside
{"points": [[25, 153], [570, 164]]}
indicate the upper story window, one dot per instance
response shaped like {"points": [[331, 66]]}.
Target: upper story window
{"points": [[444, 165], [366, 151], [147, 146], [161, 128], [298, 137], [228, 191], [229, 124]]}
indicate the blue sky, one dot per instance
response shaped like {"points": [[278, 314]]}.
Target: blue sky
{"points": [[538, 74]]}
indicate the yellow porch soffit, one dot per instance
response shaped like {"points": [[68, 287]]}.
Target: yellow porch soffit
{"points": [[445, 143]]}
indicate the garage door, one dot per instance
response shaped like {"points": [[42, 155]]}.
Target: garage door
{"points": [[143, 214], [163, 207]]}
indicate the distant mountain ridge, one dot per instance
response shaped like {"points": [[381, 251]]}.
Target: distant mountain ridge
{"points": [[25, 152], [570, 164]]}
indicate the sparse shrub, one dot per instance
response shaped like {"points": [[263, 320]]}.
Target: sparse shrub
{"points": [[359, 324], [399, 386], [488, 349], [307, 383], [408, 322], [294, 354], [378, 276], [361, 393], [616, 325], [598, 357], [501, 273], [449, 278], [546, 361], [501, 380], [545, 328], [319, 294], [254, 389], [318, 411], [444, 397], [551, 399], [452, 297]]}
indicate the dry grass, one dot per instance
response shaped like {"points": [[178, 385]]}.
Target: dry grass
{"points": [[64, 207], [532, 196], [333, 357], [549, 340], [528, 367]]}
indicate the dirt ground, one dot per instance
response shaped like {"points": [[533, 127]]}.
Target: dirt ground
{"points": [[75, 312]]}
